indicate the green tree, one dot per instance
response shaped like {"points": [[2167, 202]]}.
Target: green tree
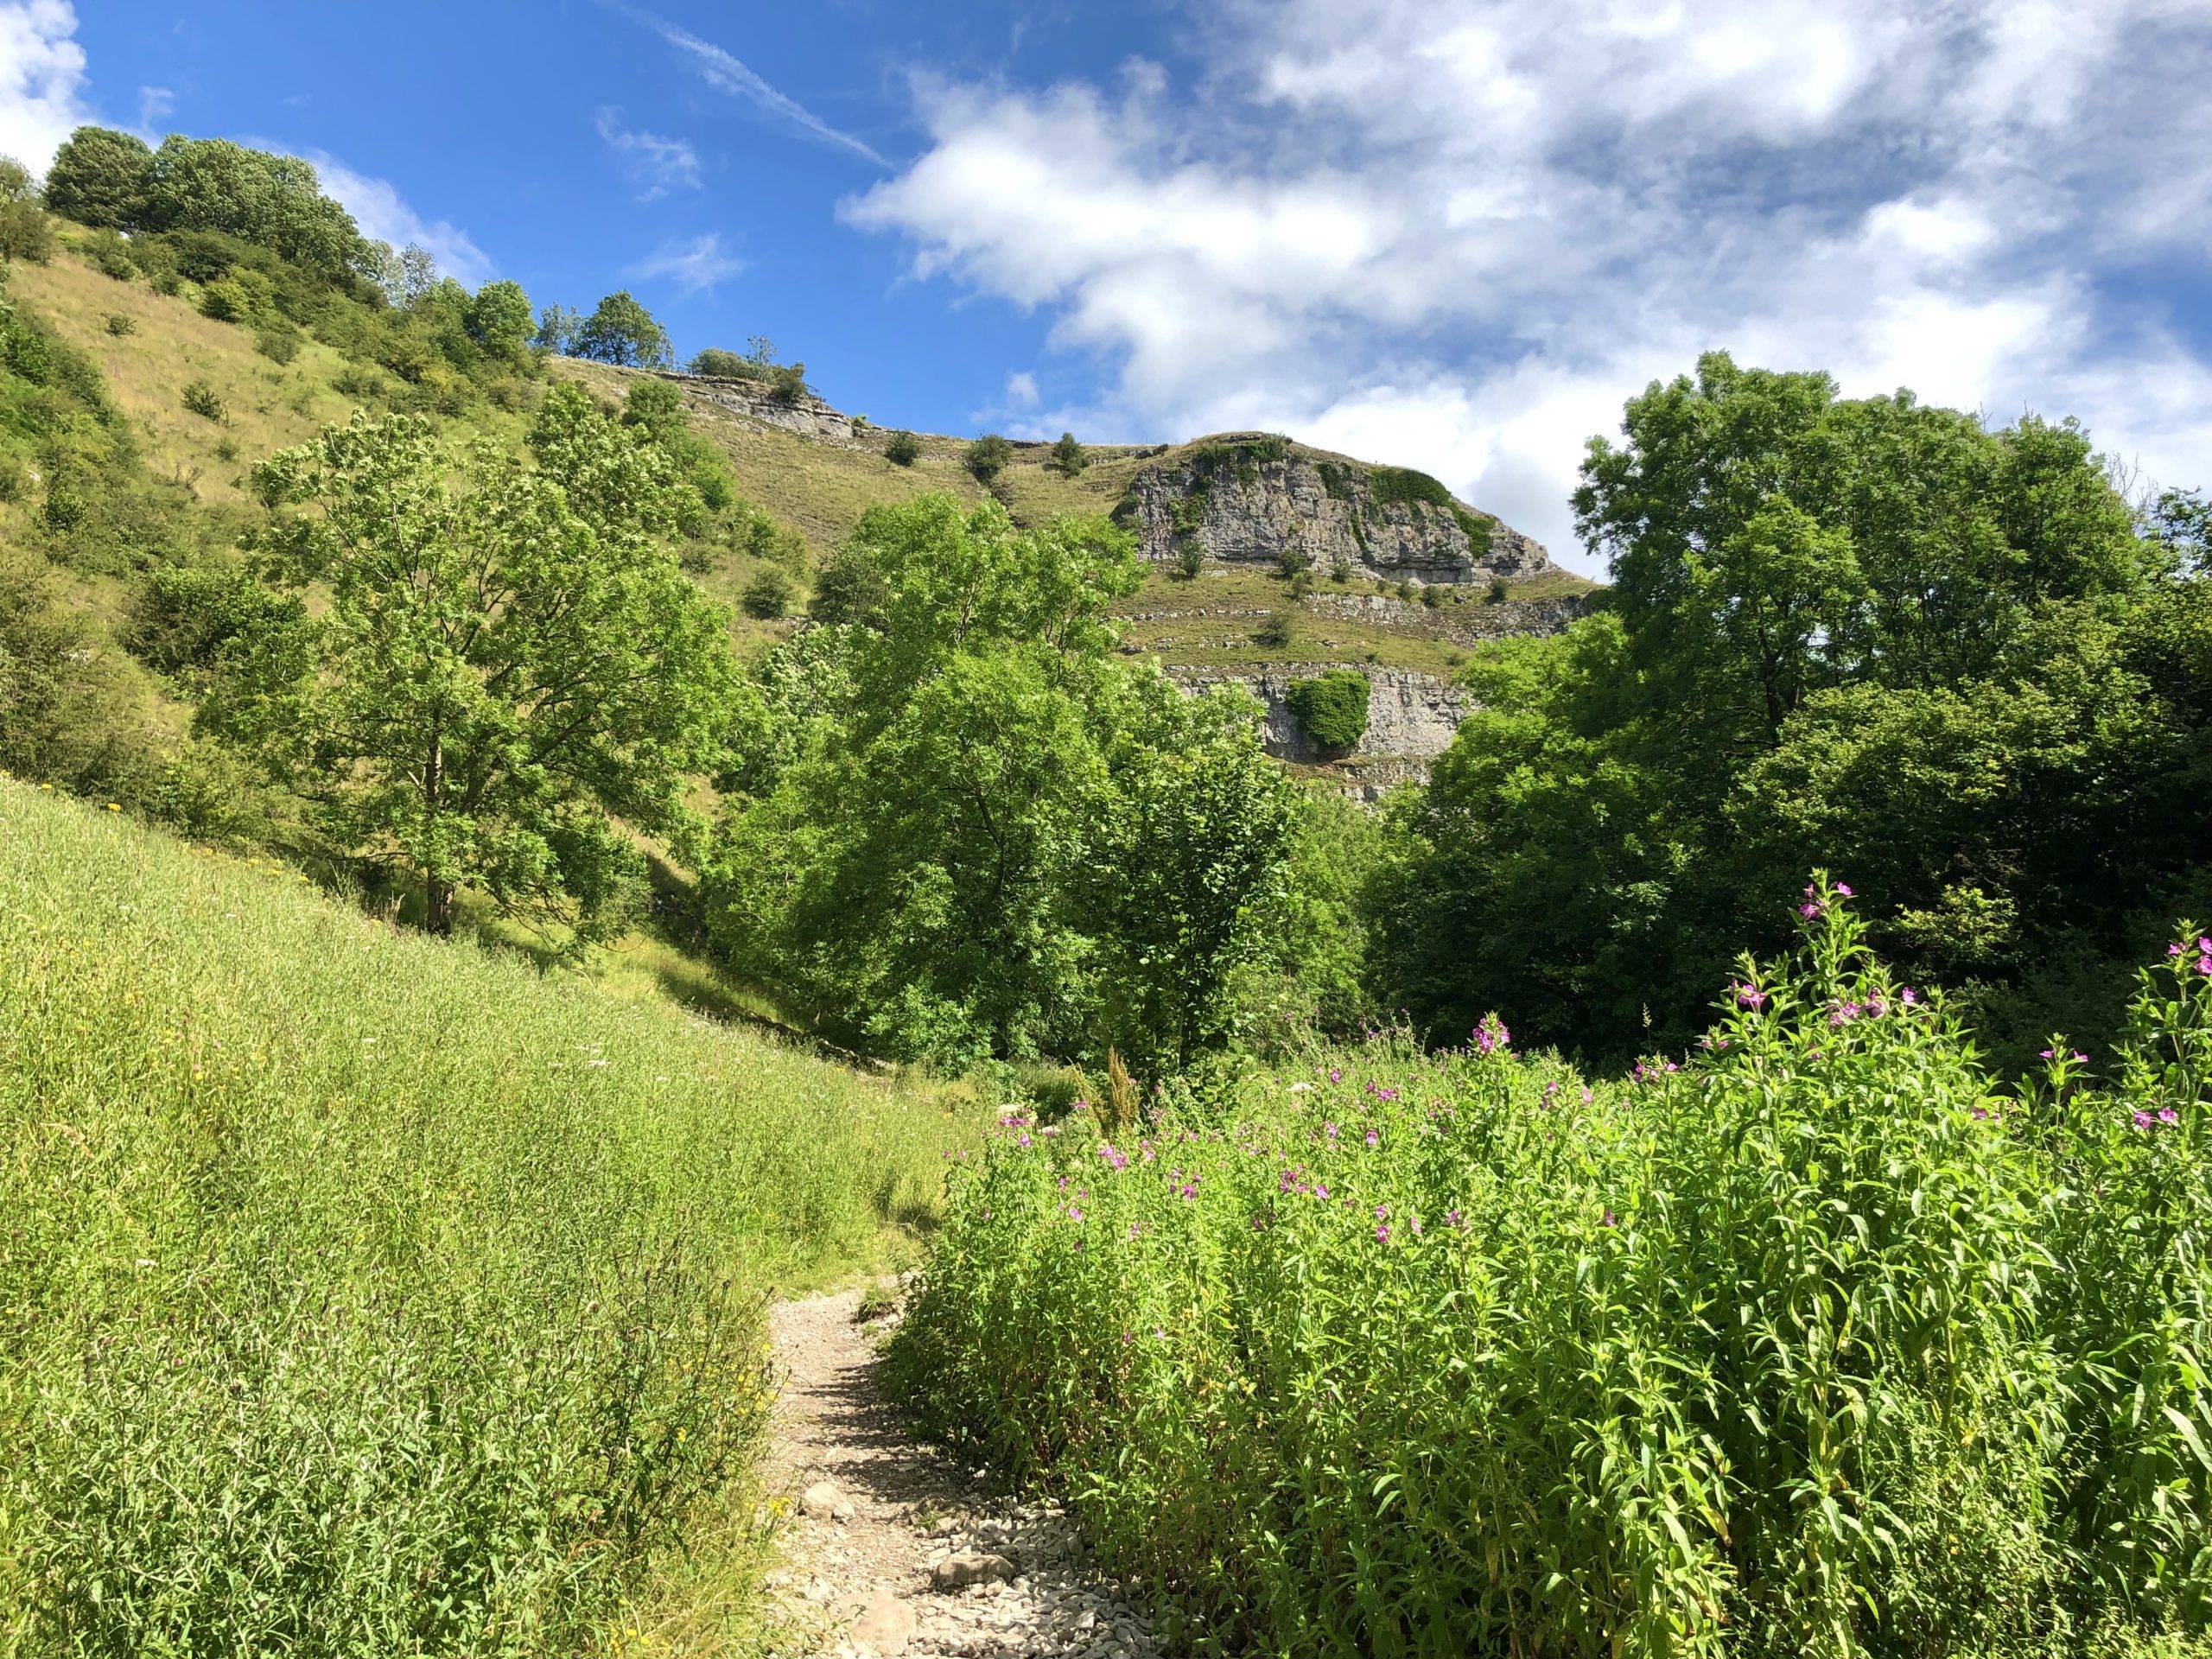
{"points": [[767, 596], [622, 332], [1189, 862], [986, 457], [511, 660], [557, 326], [717, 364], [902, 448], [1068, 455], [100, 178], [26, 228], [274, 201], [499, 318]]}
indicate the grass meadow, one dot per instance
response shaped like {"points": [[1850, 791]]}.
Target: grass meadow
{"points": [[1815, 1342], [363, 1294]]}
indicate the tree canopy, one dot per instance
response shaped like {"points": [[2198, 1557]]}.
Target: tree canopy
{"points": [[622, 332], [511, 669]]}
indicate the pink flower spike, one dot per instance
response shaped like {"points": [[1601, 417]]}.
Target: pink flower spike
{"points": [[2167, 1115], [1808, 910], [1843, 890], [2143, 1119]]}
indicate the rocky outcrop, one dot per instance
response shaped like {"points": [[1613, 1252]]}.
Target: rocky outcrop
{"points": [[757, 400], [1410, 716], [1466, 624], [1257, 499]]}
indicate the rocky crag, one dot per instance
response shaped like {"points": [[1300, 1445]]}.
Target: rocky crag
{"points": [[1411, 718], [1254, 497]]}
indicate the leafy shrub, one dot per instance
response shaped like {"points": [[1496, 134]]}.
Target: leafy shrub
{"points": [[1276, 632], [15, 480], [986, 457], [278, 339], [767, 596], [1332, 707], [120, 326], [1498, 590], [902, 448], [111, 256], [226, 302], [201, 400], [1811, 1343], [1190, 557], [1069, 456], [716, 364], [26, 232], [788, 383], [1432, 595], [1293, 561], [181, 617], [1340, 570]]}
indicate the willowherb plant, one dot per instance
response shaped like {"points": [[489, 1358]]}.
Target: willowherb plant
{"points": [[1814, 1341]]}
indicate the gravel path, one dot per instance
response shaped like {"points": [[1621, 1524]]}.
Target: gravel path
{"points": [[892, 1549]]}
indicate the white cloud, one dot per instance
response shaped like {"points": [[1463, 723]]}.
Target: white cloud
{"points": [[41, 79], [697, 266], [155, 104], [1021, 391], [384, 215], [725, 74], [655, 165], [1460, 234]]}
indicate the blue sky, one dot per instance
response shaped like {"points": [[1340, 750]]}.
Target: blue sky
{"points": [[1454, 233]]}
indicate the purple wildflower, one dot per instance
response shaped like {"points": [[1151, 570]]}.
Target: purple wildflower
{"points": [[2168, 1114], [1373, 1139], [1382, 1232]]}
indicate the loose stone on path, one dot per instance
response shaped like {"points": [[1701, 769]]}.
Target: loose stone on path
{"points": [[892, 1549]]}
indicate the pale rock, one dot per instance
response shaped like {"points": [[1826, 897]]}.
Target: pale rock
{"points": [[970, 1567]]}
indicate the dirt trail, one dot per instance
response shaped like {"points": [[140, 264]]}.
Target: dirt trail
{"points": [[892, 1549]]}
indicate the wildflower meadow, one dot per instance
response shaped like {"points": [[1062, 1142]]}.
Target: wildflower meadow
{"points": [[1812, 1340]]}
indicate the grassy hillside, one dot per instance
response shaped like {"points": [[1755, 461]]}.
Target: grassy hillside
{"points": [[362, 1291]]}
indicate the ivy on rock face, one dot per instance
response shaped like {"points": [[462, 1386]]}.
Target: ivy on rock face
{"points": [[1332, 707]]}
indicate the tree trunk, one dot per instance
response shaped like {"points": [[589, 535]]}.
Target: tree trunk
{"points": [[437, 889], [437, 905]]}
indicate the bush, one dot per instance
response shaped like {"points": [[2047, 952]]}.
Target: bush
{"points": [[26, 232], [986, 457], [1068, 455], [902, 448], [226, 302], [111, 256], [1498, 590], [716, 364], [788, 383], [119, 326], [767, 596], [278, 339], [1276, 632], [1809, 1343], [201, 400], [1332, 707], [1191, 560]]}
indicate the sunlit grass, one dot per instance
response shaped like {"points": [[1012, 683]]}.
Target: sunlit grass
{"points": [[362, 1292]]}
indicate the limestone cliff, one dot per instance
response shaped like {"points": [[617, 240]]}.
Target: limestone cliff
{"points": [[1410, 715], [1258, 498]]}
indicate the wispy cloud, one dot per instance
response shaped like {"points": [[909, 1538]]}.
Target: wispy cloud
{"points": [[697, 266], [383, 214], [654, 164], [725, 74], [155, 104], [41, 79]]}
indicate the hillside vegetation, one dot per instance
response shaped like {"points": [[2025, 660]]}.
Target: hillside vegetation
{"points": [[1821, 1343], [368, 1293]]}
